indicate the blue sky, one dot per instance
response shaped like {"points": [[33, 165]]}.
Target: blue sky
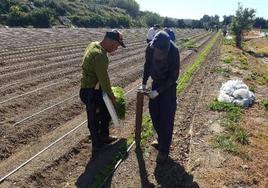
{"points": [[195, 9]]}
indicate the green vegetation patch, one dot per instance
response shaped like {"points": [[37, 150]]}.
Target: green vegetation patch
{"points": [[265, 103], [229, 41], [186, 76], [234, 136], [228, 60], [222, 70], [120, 103], [226, 143], [147, 129]]}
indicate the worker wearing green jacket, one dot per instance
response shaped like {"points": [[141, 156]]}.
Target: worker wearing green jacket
{"points": [[95, 79]]}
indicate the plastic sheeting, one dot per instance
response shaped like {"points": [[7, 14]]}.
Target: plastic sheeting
{"points": [[236, 92]]}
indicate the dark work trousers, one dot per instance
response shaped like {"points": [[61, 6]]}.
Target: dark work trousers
{"points": [[162, 110], [147, 40], [97, 114]]}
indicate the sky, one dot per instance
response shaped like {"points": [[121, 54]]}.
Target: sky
{"points": [[195, 9]]}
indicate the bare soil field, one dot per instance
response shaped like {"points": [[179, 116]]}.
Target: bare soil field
{"points": [[39, 104], [44, 137]]}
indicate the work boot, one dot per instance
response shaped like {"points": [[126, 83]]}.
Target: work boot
{"points": [[162, 157], [109, 139], [155, 144]]}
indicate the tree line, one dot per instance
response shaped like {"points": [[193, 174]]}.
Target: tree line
{"points": [[99, 13]]}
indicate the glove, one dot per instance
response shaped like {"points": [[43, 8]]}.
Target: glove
{"points": [[142, 87], [153, 94]]}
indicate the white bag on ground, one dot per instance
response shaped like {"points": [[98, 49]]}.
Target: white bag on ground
{"points": [[110, 108], [237, 92]]}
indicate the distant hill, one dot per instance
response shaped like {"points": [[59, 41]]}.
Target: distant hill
{"points": [[83, 13], [67, 13]]}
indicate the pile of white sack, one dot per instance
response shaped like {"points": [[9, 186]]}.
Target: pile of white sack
{"points": [[236, 92]]}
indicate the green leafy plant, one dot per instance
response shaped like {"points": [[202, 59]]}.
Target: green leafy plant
{"points": [[120, 103], [228, 59], [147, 129]]}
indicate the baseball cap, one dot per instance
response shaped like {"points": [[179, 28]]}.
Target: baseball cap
{"points": [[115, 35], [161, 45]]}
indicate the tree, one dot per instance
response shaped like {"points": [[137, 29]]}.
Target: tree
{"points": [[242, 21], [168, 22], [41, 17], [16, 17], [151, 18], [260, 23], [197, 24], [227, 20], [215, 20], [181, 23], [131, 6], [206, 21], [5, 6]]}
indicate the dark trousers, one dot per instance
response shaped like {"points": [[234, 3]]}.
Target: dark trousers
{"points": [[147, 40], [97, 114], [162, 110]]}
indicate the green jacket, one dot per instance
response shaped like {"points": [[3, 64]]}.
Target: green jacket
{"points": [[95, 68]]}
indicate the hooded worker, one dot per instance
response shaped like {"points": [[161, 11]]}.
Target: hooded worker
{"points": [[162, 63]]}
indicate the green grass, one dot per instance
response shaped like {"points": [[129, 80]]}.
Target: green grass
{"points": [[191, 46], [228, 59], [186, 76], [252, 87], [241, 136], [265, 103], [226, 143], [184, 40], [265, 30], [260, 78], [228, 41], [233, 112], [243, 62], [235, 135], [224, 71]]}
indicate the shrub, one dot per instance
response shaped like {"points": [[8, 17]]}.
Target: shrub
{"points": [[41, 17]]}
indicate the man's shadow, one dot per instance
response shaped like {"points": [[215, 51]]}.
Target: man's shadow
{"points": [[98, 162], [171, 174]]}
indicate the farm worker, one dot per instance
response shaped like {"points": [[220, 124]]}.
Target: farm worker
{"points": [[162, 63], [171, 33], [95, 79], [152, 31]]}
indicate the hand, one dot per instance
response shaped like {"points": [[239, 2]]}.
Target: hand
{"points": [[153, 94], [142, 87]]}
